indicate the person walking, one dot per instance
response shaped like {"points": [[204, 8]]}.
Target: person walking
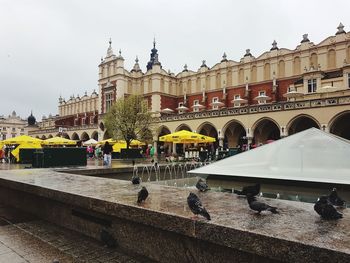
{"points": [[107, 154]]}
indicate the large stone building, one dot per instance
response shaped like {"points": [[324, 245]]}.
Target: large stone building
{"points": [[13, 126], [77, 119], [269, 96]]}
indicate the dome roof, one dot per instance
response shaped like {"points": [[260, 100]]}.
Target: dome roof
{"points": [[31, 119]]}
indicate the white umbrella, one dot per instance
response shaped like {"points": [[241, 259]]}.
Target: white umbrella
{"points": [[293, 94], [239, 100], [199, 106], [182, 107], [262, 98], [326, 89], [217, 103], [167, 110], [90, 142]]}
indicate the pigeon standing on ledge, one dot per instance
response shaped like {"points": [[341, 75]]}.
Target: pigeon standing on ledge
{"points": [[260, 206], [135, 179], [334, 199], [325, 209], [142, 195], [196, 206], [252, 190], [202, 185]]}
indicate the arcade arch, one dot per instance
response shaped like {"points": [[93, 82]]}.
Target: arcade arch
{"points": [[340, 125], [84, 136], [75, 137], [65, 135], [265, 129], [94, 135], [301, 123], [183, 127], [106, 136], [234, 134], [163, 130]]}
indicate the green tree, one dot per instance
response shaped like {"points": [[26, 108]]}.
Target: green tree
{"points": [[129, 119]]}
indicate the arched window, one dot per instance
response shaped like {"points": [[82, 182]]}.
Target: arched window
{"points": [[207, 82], [281, 69], [129, 87], [149, 85], [189, 86], [162, 85], [314, 61], [253, 74], [296, 66], [267, 73], [331, 59], [218, 80], [142, 87], [229, 77], [198, 84], [240, 76]]}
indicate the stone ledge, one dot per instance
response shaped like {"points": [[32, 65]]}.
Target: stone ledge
{"points": [[296, 234]]}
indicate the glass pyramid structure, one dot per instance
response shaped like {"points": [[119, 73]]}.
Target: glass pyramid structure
{"points": [[311, 155]]}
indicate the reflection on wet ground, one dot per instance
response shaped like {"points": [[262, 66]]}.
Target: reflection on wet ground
{"points": [[175, 174]]}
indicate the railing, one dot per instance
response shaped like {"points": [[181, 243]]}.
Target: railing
{"points": [[73, 128], [270, 107]]}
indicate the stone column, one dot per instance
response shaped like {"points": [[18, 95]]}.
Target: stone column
{"points": [[283, 132], [155, 145], [221, 142], [325, 128], [174, 147]]}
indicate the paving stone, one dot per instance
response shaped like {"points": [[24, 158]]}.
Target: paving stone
{"points": [[11, 257]]}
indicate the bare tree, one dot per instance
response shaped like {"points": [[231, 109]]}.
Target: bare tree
{"points": [[129, 119]]}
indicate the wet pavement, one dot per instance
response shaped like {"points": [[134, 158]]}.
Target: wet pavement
{"points": [[24, 238]]}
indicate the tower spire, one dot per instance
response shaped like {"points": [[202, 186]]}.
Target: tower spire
{"points": [[110, 50], [154, 56], [136, 67]]}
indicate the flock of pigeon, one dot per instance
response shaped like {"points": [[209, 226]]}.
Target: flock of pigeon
{"points": [[325, 205]]}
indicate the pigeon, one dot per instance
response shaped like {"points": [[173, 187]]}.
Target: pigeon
{"points": [[196, 206], [325, 209], [108, 239], [260, 206], [135, 179], [253, 190], [142, 195], [202, 185], [334, 199]]}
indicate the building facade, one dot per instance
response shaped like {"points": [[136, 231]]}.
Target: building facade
{"points": [[77, 119], [257, 98], [13, 126]]}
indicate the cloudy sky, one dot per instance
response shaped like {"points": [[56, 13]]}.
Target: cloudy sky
{"points": [[51, 48]]}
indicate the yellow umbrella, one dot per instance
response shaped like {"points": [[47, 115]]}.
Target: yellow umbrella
{"points": [[118, 146], [186, 137], [122, 145], [132, 143], [110, 141], [22, 139], [15, 152], [59, 141], [136, 143]]}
